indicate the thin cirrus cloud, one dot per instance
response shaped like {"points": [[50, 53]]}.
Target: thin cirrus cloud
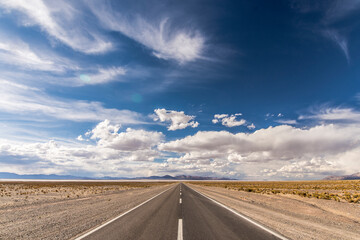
{"points": [[332, 12], [18, 53], [29, 101], [340, 40], [340, 9], [177, 120], [89, 76], [62, 21], [287, 121], [334, 114], [103, 75], [161, 37]]}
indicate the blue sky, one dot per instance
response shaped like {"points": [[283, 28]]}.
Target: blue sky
{"points": [[265, 90]]}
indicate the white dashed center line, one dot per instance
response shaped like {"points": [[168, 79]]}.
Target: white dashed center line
{"points": [[180, 230]]}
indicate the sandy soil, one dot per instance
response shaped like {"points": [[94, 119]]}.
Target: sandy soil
{"points": [[64, 213], [293, 216]]}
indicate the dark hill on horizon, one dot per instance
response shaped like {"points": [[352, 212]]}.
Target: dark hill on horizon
{"points": [[354, 176]]}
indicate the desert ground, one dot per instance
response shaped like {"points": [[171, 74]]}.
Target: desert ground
{"points": [[298, 210], [63, 210]]}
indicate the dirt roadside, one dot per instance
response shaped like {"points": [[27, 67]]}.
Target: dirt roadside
{"points": [[66, 218], [293, 216]]}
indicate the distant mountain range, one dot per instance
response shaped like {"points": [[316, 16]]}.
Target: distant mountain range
{"points": [[7, 175], [354, 176], [186, 177]]}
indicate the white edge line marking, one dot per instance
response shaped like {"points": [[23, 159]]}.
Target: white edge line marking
{"points": [[244, 217], [180, 230], [116, 218]]}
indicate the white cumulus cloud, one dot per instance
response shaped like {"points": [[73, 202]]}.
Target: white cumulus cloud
{"points": [[229, 121], [109, 151], [178, 120], [280, 146], [107, 135]]}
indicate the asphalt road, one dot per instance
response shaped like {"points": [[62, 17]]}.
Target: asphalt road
{"points": [[193, 217]]}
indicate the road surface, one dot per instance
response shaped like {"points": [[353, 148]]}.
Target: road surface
{"points": [[180, 213]]}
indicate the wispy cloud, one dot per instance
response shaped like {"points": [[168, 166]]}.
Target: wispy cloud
{"points": [[62, 21], [334, 114], [103, 75], [18, 53], [340, 40], [166, 40], [50, 67], [333, 16], [28, 101], [340, 9], [287, 121], [336, 11]]}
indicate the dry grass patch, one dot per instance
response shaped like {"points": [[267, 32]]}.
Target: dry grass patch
{"points": [[342, 190], [22, 193]]}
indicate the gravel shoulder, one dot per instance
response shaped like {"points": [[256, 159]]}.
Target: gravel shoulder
{"points": [[293, 216], [67, 218]]}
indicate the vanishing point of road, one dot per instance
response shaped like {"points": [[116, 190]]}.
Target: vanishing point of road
{"points": [[181, 213]]}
